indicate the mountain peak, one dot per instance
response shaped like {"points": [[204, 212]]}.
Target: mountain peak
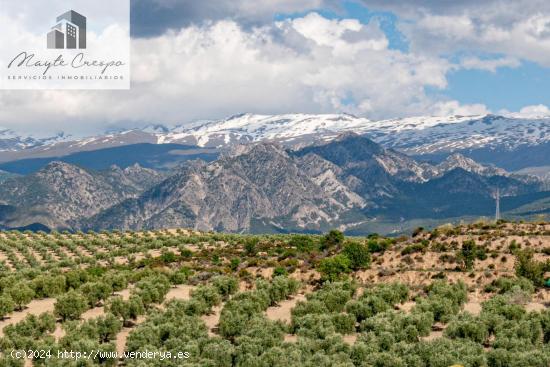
{"points": [[60, 166], [457, 160], [262, 148]]}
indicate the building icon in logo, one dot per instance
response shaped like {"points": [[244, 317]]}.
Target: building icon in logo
{"points": [[69, 33]]}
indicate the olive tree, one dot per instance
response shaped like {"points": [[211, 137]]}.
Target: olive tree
{"points": [[6, 306], [126, 310], [70, 305], [21, 294]]}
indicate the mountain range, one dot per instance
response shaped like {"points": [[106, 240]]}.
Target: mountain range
{"points": [[347, 181], [509, 142]]}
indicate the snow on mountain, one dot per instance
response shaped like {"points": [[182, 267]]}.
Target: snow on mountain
{"points": [[11, 141], [421, 135], [413, 135], [289, 129]]}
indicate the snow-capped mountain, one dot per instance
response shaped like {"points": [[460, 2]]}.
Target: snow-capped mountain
{"points": [[291, 129], [10, 141], [422, 135], [417, 136]]}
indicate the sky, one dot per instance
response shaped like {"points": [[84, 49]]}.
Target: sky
{"points": [[210, 59]]}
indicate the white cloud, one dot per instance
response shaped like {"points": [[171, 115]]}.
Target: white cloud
{"points": [[518, 29], [534, 111], [308, 64], [489, 64], [448, 108]]}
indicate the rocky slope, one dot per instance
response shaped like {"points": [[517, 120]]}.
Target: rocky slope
{"points": [[61, 193], [343, 183], [258, 182], [347, 182]]}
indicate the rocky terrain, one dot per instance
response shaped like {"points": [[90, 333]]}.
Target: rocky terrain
{"points": [[350, 182], [61, 193]]}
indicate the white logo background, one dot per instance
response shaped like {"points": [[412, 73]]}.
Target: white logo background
{"points": [[25, 24]]}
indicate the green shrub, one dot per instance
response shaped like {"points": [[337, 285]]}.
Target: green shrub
{"points": [[234, 263], [126, 310], [49, 286], [528, 268], [366, 307], [334, 295], [250, 246], [152, 289], [225, 285], [6, 306], [70, 305], [358, 254], [303, 243], [207, 294], [21, 294], [378, 245], [279, 289], [506, 284], [392, 293], [96, 292], [334, 268], [415, 247], [466, 326], [467, 254], [334, 238]]}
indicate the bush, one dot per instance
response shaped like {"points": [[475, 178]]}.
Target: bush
{"points": [[32, 326], [96, 292], [506, 284], [281, 288], [415, 247], [117, 281], [234, 263], [332, 239], [358, 254], [442, 308], [528, 268], [392, 293], [334, 268], [250, 246], [457, 293], [70, 305], [303, 243], [49, 286], [467, 254], [225, 285], [443, 300], [152, 289], [207, 294], [366, 307], [334, 295], [6, 306], [466, 326], [240, 309], [21, 294], [107, 327], [126, 310]]}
